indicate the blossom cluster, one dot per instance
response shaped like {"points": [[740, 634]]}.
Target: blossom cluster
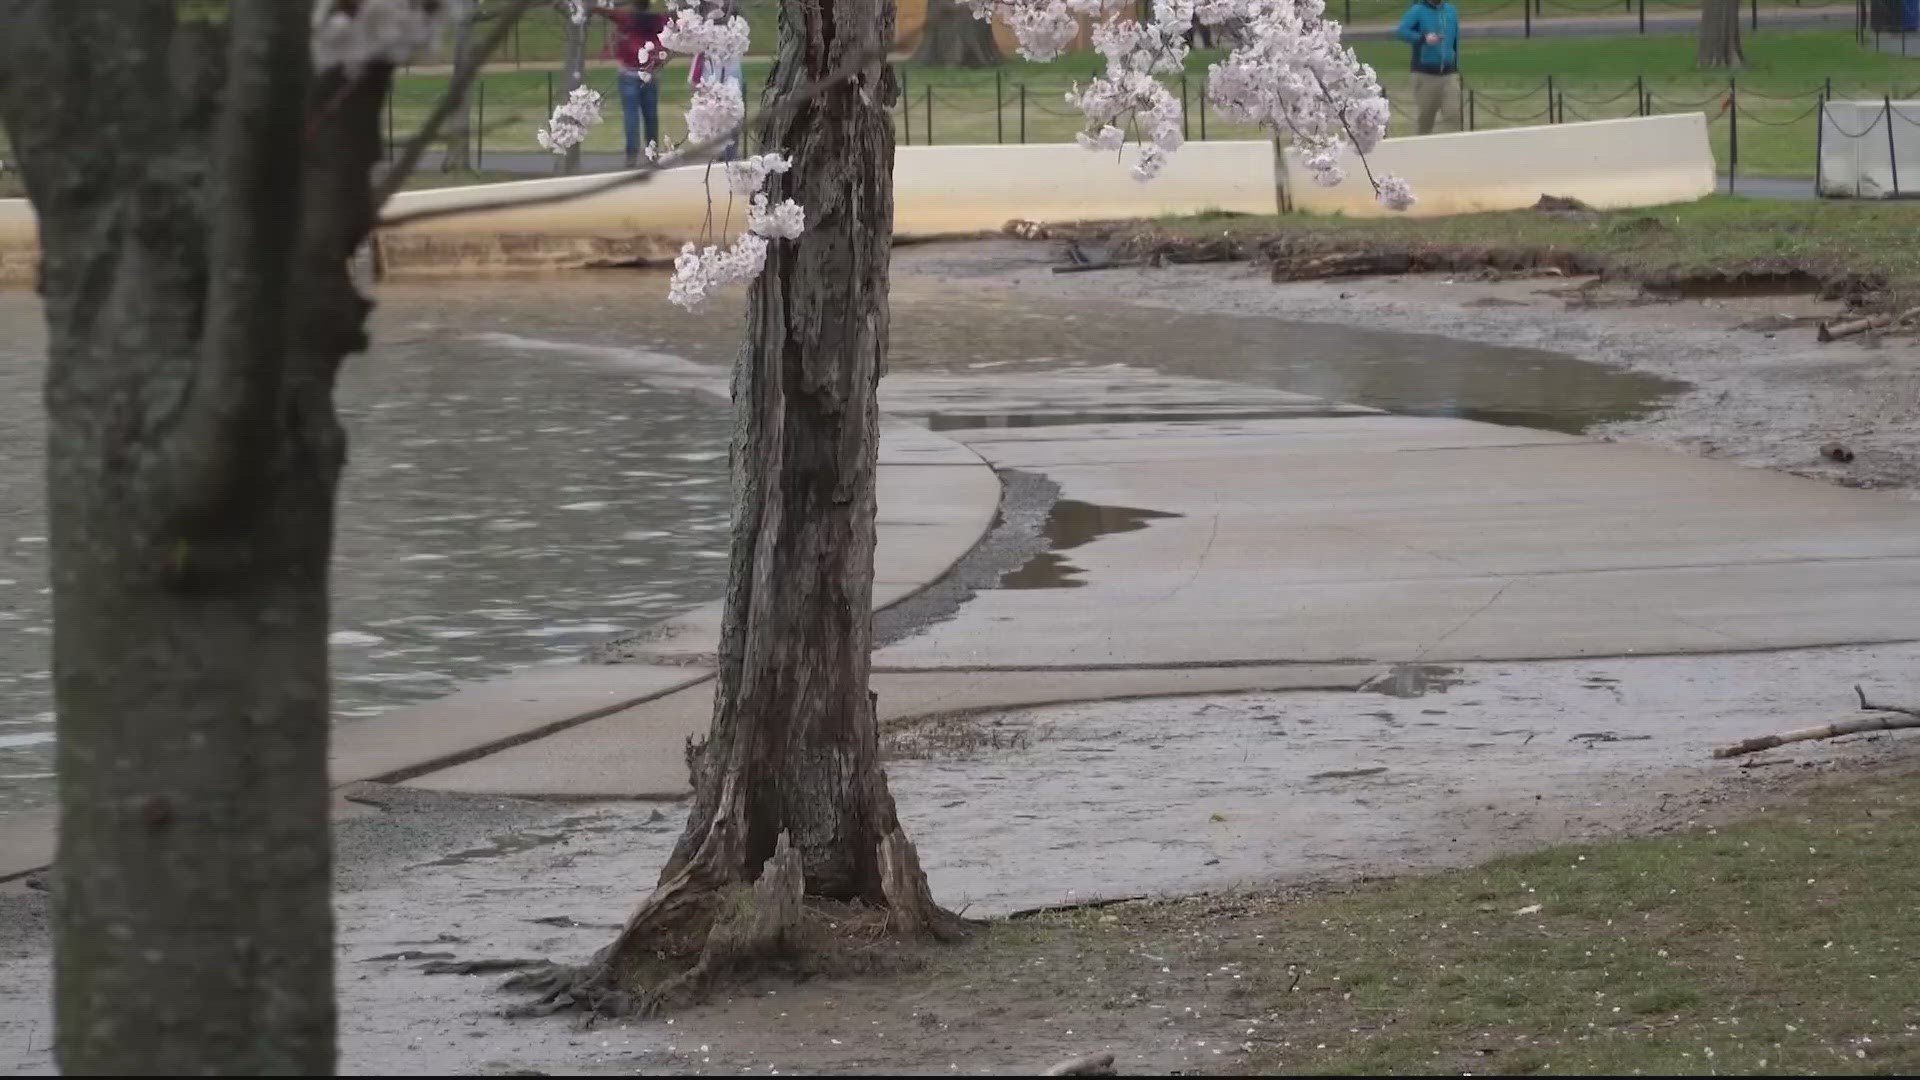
{"points": [[570, 122], [1287, 72], [353, 35]]}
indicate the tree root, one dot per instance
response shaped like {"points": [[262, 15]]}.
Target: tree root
{"points": [[727, 927]]}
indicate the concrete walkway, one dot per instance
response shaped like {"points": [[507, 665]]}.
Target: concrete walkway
{"points": [[1318, 551]]}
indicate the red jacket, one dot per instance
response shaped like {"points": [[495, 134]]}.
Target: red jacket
{"points": [[633, 32]]}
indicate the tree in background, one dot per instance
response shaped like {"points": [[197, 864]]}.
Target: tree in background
{"points": [[952, 37], [1720, 35], [203, 173]]}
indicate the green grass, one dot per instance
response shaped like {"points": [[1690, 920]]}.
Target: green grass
{"points": [[1782, 944], [1718, 233]]}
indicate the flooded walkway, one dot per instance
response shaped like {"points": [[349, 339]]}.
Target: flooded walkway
{"points": [[539, 467]]}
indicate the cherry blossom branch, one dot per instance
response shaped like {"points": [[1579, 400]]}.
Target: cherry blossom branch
{"points": [[846, 72], [454, 98]]}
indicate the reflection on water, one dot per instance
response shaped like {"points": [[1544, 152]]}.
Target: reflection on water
{"points": [[1069, 524], [534, 469]]}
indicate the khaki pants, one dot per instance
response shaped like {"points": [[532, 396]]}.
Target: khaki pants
{"points": [[1434, 94]]}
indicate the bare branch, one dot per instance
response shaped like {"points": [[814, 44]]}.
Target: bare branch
{"points": [[690, 155], [454, 98]]}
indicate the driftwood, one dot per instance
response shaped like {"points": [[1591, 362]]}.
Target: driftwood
{"points": [[1084, 1065], [1909, 717], [1837, 330]]}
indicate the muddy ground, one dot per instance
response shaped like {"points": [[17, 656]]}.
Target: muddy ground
{"points": [[1073, 803]]}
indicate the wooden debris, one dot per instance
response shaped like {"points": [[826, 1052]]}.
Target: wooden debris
{"points": [[1084, 1065], [1834, 331], [1909, 717]]}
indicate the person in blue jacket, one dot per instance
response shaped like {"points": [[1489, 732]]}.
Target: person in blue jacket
{"points": [[1432, 27]]}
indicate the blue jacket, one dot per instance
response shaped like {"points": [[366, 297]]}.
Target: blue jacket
{"points": [[1423, 19]]}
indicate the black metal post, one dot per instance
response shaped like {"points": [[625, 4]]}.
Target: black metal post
{"points": [[1819, 149], [1470, 109], [999, 114], [1348, 19], [549, 93], [1550, 96], [929, 115], [1023, 114], [1184, 133], [1528, 9], [906, 110], [1754, 6], [1893, 156], [1733, 135], [480, 125], [1203, 109], [1643, 16], [1640, 86]]}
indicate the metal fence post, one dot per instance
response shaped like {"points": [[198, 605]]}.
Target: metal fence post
{"points": [[549, 93], [1893, 157], [1023, 113], [480, 125], [1643, 16], [1470, 109], [999, 114], [1550, 96], [1184, 133], [929, 114], [1203, 108], [1640, 88], [1733, 135], [1754, 6], [1528, 10], [906, 109]]}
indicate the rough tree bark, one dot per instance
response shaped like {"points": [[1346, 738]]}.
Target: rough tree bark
{"points": [[952, 37], [792, 758], [195, 280], [575, 69], [1720, 35]]}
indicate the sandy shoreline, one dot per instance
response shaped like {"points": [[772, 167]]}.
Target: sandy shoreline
{"points": [[1185, 794]]}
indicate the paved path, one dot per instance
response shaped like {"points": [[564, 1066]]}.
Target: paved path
{"points": [[1316, 552]]}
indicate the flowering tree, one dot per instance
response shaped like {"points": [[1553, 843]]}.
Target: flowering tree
{"points": [[202, 174], [791, 806]]}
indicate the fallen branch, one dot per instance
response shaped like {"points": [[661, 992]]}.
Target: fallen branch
{"points": [[1836, 331], [1909, 717], [1084, 1065]]}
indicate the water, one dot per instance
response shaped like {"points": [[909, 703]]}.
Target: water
{"points": [[539, 465]]}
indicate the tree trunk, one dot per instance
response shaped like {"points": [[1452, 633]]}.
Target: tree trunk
{"points": [[458, 156], [194, 274], [952, 37], [1720, 35], [576, 72], [794, 745]]}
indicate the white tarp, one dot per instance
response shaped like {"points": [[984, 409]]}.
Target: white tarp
{"points": [[1870, 149]]}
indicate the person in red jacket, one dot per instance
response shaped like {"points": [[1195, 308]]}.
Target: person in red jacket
{"points": [[637, 48]]}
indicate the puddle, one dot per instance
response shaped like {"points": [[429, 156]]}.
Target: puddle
{"points": [[500, 847], [977, 421], [1415, 680], [1070, 524]]}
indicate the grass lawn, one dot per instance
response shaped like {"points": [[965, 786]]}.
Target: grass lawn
{"points": [[1718, 233], [1782, 944], [1593, 78]]}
